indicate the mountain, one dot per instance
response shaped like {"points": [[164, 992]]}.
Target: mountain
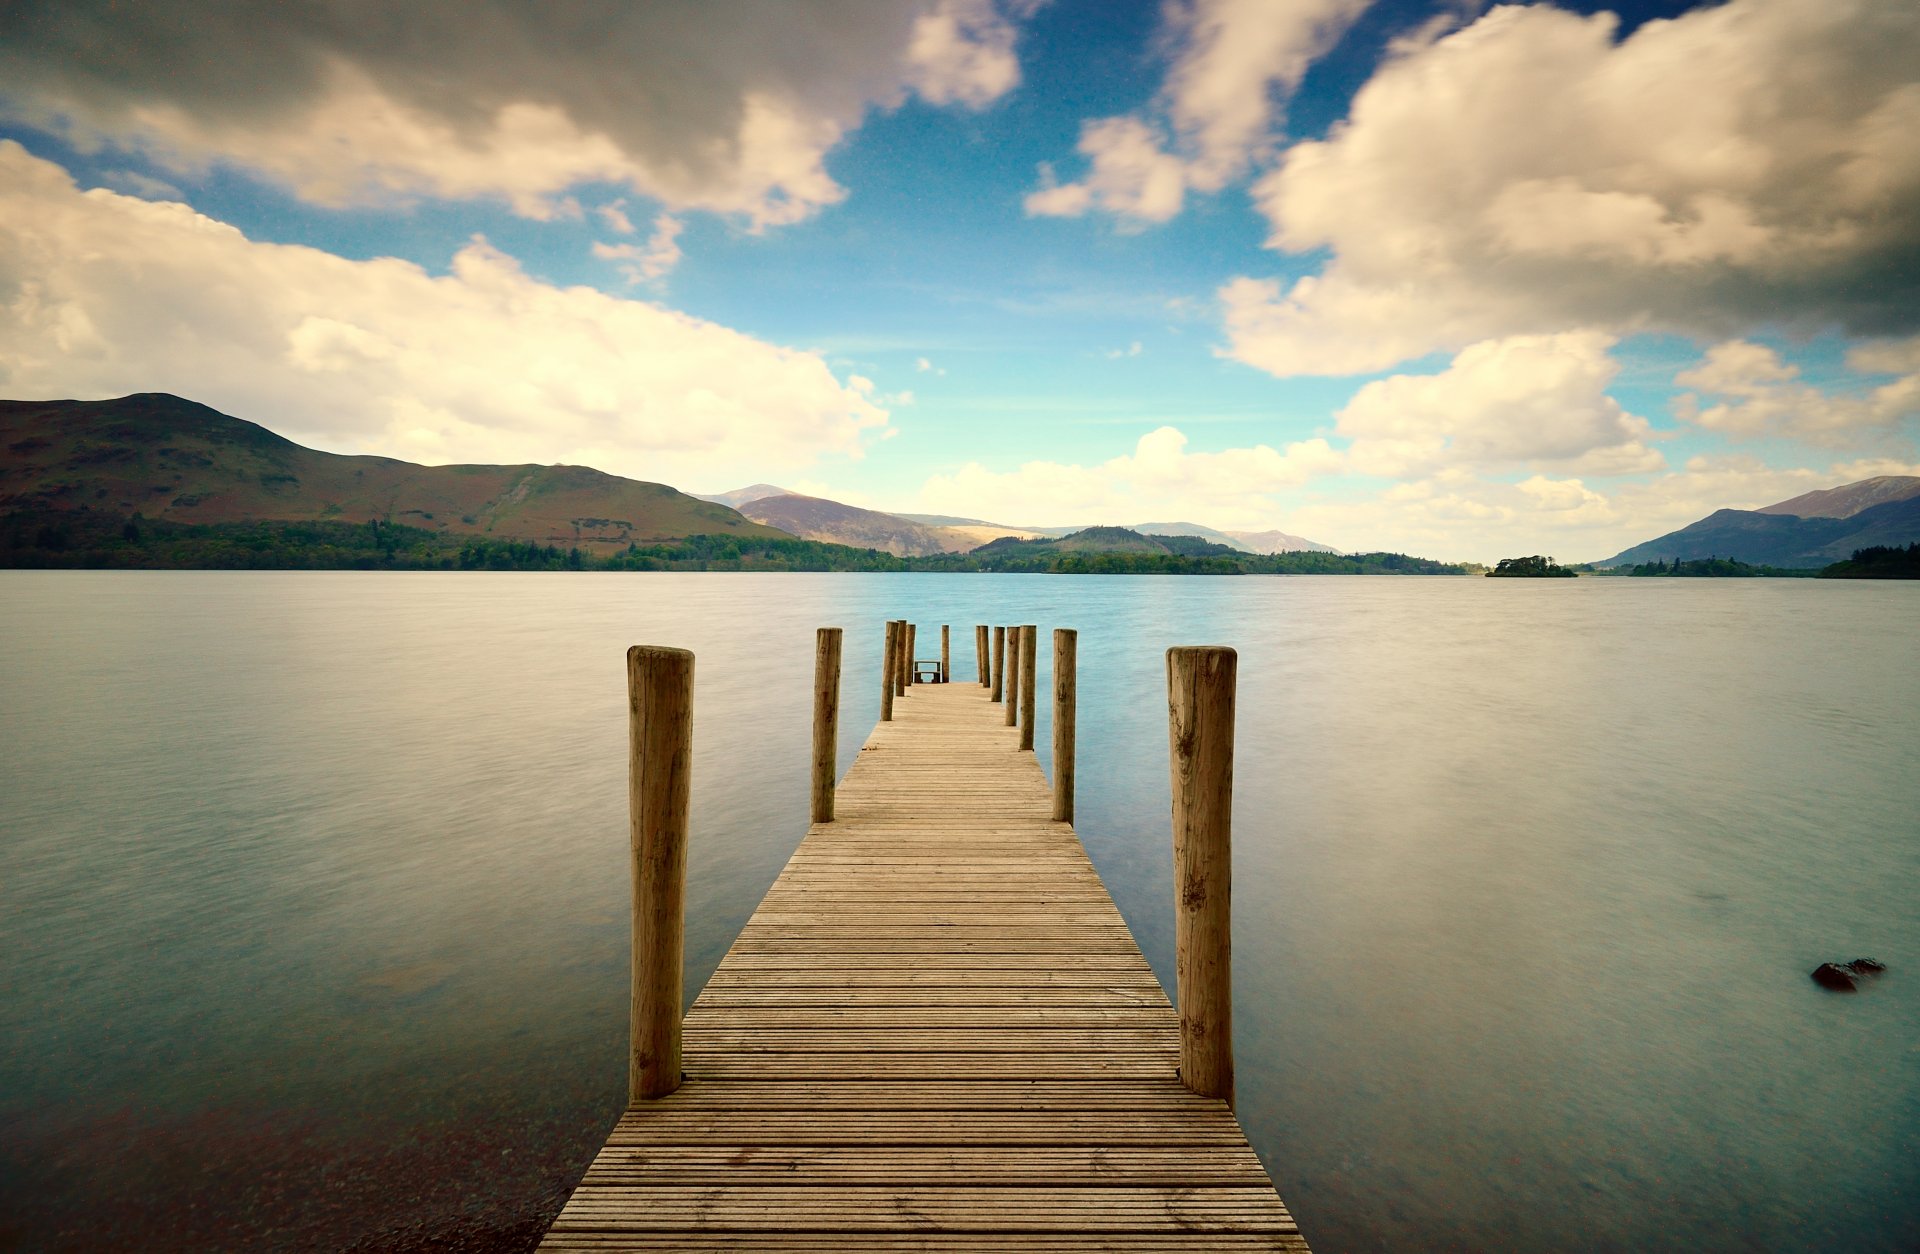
{"points": [[814, 518], [1190, 529], [1775, 537], [1279, 542], [741, 496], [161, 456], [1848, 499]]}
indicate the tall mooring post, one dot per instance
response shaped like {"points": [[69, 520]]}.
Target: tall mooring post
{"points": [[980, 656], [911, 678], [902, 658], [1200, 688], [659, 779], [889, 670], [826, 719], [946, 654], [1065, 643], [1028, 643], [999, 662], [1013, 676]]}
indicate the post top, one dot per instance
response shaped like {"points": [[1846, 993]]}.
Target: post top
{"points": [[661, 651]]}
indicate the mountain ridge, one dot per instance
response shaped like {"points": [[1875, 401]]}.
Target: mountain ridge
{"points": [[157, 455]]}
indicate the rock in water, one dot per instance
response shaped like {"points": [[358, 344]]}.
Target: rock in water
{"points": [[1865, 966], [1837, 978]]}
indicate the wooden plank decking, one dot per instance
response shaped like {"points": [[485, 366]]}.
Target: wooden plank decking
{"points": [[935, 1034]]}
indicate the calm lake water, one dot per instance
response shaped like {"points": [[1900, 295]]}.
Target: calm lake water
{"points": [[313, 915]]}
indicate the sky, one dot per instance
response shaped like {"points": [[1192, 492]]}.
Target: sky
{"points": [[1440, 278]]}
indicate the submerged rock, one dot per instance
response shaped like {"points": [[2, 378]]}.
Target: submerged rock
{"points": [[1837, 978]]}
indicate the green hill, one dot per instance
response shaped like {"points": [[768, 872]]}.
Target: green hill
{"points": [[164, 458]]}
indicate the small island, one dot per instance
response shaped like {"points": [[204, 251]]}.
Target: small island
{"points": [[1535, 567]]}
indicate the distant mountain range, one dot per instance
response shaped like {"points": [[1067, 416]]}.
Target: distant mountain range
{"points": [[1810, 530], [813, 518], [163, 457], [160, 456]]}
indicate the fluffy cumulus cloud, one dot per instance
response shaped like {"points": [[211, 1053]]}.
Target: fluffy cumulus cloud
{"points": [[721, 105], [1750, 391], [1745, 164], [644, 263], [1235, 62], [1528, 400], [103, 294], [1159, 479]]}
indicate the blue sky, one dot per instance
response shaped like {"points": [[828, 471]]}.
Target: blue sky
{"points": [[1457, 281]]}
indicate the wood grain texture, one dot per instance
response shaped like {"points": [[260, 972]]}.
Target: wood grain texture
{"points": [[935, 1034], [659, 781], [1200, 690], [889, 666], [1065, 699], [826, 721], [1029, 642]]}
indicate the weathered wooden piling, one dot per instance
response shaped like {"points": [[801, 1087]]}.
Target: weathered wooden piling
{"points": [[826, 720], [1013, 676], [1065, 644], [1200, 691], [902, 659], [889, 670], [946, 654], [912, 631], [999, 662], [659, 777], [1029, 636], [980, 656]]}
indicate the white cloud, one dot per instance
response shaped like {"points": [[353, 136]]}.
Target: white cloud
{"points": [[728, 106], [615, 216], [1533, 400], [1236, 61], [108, 294], [1762, 395], [1131, 350], [924, 366], [1159, 479], [1131, 176], [962, 52], [644, 263], [1744, 162]]}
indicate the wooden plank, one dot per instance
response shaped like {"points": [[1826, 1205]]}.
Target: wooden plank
{"points": [[935, 1034]]}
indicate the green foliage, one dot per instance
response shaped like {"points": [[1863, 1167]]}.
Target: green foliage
{"points": [[1879, 561], [1535, 567], [1711, 568]]}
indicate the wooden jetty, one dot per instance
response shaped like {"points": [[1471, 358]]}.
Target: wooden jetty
{"points": [[936, 1032]]}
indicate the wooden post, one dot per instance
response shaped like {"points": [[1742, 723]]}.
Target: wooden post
{"points": [[913, 674], [659, 777], [1065, 642], [980, 656], [826, 719], [1029, 638], [946, 654], [889, 670], [902, 652], [999, 661], [1200, 683], [1013, 676]]}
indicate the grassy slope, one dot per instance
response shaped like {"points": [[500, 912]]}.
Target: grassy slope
{"points": [[163, 457]]}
